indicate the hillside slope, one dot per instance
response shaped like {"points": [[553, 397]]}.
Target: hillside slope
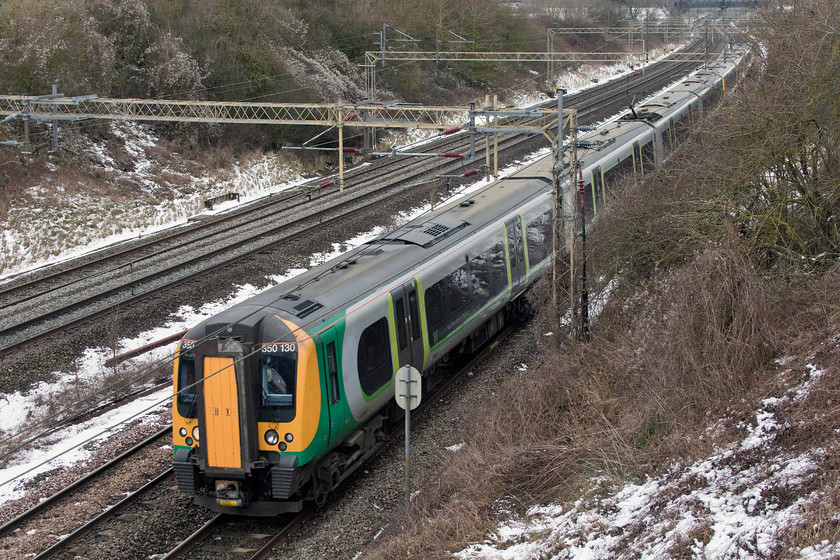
{"points": [[700, 419]]}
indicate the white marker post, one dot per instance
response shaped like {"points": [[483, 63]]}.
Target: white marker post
{"points": [[407, 394]]}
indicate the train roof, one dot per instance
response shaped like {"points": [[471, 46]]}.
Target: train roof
{"points": [[605, 143], [321, 292]]}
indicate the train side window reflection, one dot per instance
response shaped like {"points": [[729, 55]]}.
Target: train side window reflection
{"points": [[447, 301], [374, 357], [458, 292], [489, 275], [539, 234]]}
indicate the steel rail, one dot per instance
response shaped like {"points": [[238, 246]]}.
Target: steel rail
{"points": [[15, 522], [123, 288], [179, 232], [194, 539], [206, 530], [103, 516]]}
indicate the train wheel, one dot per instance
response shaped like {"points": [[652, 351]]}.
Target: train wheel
{"points": [[320, 491]]}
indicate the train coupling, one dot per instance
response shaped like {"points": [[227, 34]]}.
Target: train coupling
{"points": [[227, 493]]}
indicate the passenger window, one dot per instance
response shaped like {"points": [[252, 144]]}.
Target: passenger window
{"points": [[480, 270], [374, 357], [186, 377], [447, 301], [498, 269], [458, 290], [277, 373], [332, 367], [435, 310], [488, 274], [539, 233]]}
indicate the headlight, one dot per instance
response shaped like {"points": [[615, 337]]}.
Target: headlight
{"points": [[195, 433], [282, 446], [183, 432], [188, 441], [272, 437], [289, 438]]}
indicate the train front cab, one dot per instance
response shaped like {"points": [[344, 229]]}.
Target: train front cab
{"points": [[246, 416]]}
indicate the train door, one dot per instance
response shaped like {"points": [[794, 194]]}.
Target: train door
{"points": [[638, 165], [221, 421], [407, 325], [339, 418], [516, 255], [597, 189]]}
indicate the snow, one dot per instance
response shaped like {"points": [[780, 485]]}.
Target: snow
{"points": [[68, 446], [724, 506], [262, 177], [34, 238], [71, 445]]}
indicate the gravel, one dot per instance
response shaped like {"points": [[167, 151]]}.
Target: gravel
{"points": [[353, 516]]}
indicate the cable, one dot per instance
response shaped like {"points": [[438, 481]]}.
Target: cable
{"points": [[211, 336]]}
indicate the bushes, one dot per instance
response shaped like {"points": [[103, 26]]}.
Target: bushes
{"points": [[781, 152], [723, 261], [46, 42]]}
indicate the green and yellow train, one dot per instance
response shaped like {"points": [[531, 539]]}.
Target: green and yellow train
{"points": [[281, 397]]}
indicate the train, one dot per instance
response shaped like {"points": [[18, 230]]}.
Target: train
{"points": [[281, 397]]}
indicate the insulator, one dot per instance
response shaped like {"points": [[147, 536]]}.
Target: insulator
{"points": [[349, 150], [452, 154], [351, 116], [470, 172], [325, 183], [452, 130]]}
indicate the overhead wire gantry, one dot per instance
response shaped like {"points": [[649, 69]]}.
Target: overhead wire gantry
{"points": [[56, 107]]}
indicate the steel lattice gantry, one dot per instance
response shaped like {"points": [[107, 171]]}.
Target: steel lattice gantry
{"points": [[63, 108], [370, 115], [372, 58], [54, 108]]}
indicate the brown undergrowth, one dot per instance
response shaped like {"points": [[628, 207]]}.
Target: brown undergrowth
{"points": [[721, 278]]}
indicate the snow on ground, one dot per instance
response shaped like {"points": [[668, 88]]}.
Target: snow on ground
{"points": [[74, 444], [46, 228], [734, 504]]}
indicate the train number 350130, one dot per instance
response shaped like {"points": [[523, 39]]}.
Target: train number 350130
{"points": [[281, 347]]}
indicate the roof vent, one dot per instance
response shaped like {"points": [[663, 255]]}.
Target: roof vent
{"points": [[306, 307], [436, 229], [425, 234]]}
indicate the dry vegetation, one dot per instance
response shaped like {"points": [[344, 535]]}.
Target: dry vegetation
{"points": [[723, 263]]}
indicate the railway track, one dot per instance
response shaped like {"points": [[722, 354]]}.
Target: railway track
{"points": [[217, 530], [79, 491], [338, 210], [55, 300], [227, 535], [237, 537], [221, 535]]}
